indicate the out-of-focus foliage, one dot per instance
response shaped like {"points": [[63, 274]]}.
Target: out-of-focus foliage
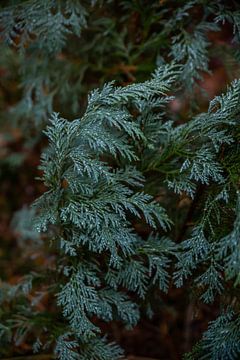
{"points": [[66, 48]]}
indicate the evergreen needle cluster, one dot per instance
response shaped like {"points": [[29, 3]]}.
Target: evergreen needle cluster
{"points": [[108, 218]]}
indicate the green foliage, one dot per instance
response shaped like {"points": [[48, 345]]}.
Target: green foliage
{"points": [[69, 47], [221, 340], [108, 220], [48, 21], [192, 49], [89, 199], [107, 196]]}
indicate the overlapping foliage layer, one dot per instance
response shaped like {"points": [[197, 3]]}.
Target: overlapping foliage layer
{"points": [[108, 216]]}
